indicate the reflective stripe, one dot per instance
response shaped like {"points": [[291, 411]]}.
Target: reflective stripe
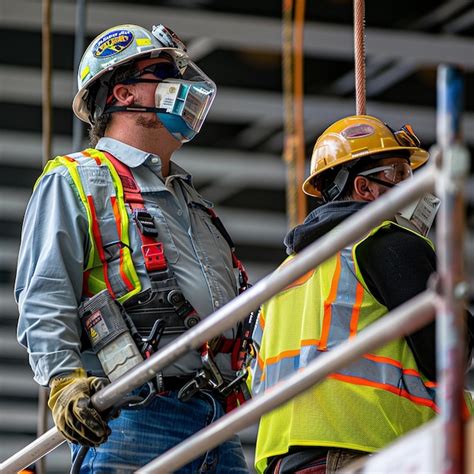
{"points": [[301, 280], [99, 245], [356, 310], [342, 307], [124, 276], [379, 372], [328, 304], [117, 275]]}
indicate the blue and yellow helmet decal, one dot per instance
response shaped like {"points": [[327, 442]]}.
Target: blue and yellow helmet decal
{"points": [[112, 43]]}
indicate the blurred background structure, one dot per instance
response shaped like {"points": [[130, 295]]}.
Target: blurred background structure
{"points": [[236, 160]]}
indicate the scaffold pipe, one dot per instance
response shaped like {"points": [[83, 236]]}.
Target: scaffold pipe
{"points": [[407, 318], [355, 227], [453, 288]]}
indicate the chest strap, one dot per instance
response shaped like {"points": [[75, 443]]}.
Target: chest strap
{"points": [[152, 250]]}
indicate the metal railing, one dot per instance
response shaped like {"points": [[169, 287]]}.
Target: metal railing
{"points": [[401, 321], [236, 310]]}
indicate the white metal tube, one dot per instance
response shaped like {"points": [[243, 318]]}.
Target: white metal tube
{"points": [[236, 310], [405, 319], [34, 451]]}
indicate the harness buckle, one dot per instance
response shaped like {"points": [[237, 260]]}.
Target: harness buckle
{"points": [[145, 222], [154, 256]]}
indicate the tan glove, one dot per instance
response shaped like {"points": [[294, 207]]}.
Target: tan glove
{"points": [[73, 414]]}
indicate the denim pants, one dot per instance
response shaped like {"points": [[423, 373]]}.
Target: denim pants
{"points": [[139, 436]]}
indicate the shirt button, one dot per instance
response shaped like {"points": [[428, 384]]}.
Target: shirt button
{"points": [[155, 160], [180, 212], [216, 304]]}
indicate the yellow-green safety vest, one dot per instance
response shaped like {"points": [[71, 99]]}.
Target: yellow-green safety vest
{"points": [[364, 406], [99, 187]]}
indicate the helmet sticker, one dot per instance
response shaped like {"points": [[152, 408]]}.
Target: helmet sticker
{"points": [[358, 131], [112, 43]]}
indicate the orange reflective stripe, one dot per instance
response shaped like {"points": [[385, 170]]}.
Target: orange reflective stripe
{"points": [[389, 388], [118, 222], [301, 280], [327, 304], [356, 310], [309, 342], [287, 354], [98, 243], [282, 355], [95, 158], [396, 363], [383, 360]]}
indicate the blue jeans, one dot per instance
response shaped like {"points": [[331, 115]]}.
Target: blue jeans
{"points": [[139, 436]]}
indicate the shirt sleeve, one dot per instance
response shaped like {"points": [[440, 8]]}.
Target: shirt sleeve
{"points": [[48, 284], [396, 266]]}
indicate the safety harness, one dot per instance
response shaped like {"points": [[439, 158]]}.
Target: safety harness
{"points": [[185, 316]]}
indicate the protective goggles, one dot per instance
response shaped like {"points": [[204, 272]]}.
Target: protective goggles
{"points": [[161, 71], [394, 173]]}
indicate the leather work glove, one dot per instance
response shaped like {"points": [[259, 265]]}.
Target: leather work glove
{"points": [[74, 416]]}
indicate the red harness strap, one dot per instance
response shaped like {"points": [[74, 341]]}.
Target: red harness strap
{"points": [[152, 250]]}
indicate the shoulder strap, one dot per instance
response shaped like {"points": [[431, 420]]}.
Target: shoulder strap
{"points": [[243, 277], [152, 250]]}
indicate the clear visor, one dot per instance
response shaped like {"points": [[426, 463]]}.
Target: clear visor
{"points": [[394, 173], [189, 96]]}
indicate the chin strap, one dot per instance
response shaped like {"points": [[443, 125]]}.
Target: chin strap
{"points": [[337, 186]]}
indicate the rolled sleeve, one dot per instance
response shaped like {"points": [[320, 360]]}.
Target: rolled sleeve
{"points": [[49, 276]]}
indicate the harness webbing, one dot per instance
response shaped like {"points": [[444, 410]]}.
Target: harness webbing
{"points": [[152, 250]]}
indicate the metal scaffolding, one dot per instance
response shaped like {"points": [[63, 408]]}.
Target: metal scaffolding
{"points": [[446, 299]]}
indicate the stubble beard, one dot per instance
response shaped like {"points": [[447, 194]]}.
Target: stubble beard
{"points": [[149, 123]]}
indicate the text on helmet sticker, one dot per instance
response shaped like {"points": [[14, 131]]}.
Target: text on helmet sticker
{"points": [[358, 131], [112, 43]]}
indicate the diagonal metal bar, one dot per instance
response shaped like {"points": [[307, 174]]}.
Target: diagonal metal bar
{"points": [[236, 310], [407, 318]]}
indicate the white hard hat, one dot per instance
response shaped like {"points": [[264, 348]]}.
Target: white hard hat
{"points": [[115, 47]]}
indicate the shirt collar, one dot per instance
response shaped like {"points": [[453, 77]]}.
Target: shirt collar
{"points": [[127, 154], [133, 157]]}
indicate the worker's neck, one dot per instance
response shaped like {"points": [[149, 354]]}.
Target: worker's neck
{"points": [[151, 140]]}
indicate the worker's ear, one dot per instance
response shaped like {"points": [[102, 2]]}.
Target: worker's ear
{"points": [[363, 189], [124, 94]]}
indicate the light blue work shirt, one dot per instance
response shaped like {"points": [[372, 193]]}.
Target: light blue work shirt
{"points": [[55, 245]]}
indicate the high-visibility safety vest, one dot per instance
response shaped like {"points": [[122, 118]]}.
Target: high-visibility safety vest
{"points": [[109, 263], [363, 406]]}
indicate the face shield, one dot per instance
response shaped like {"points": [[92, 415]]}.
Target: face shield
{"points": [[184, 93], [183, 103]]}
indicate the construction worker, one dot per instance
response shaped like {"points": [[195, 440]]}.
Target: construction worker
{"points": [[120, 228], [386, 393]]}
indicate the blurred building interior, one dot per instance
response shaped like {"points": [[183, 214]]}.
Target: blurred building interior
{"points": [[236, 160]]}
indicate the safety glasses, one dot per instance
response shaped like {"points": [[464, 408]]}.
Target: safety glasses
{"points": [[161, 71], [394, 173]]}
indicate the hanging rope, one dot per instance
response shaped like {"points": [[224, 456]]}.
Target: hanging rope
{"points": [[46, 79], [359, 55], [294, 146], [41, 423]]}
